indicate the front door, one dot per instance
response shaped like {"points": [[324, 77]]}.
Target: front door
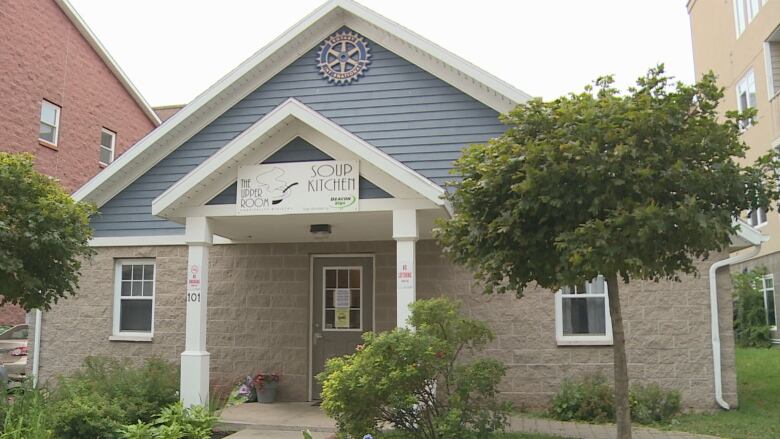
{"points": [[343, 308]]}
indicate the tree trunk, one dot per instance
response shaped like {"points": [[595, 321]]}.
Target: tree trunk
{"points": [[622, 408]]}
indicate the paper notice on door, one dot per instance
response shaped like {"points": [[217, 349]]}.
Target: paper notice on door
{"points": [[342, 317], [341, 298]]}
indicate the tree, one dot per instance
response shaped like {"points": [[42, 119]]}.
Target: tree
{"points": [[44, 235], [636, 185]]}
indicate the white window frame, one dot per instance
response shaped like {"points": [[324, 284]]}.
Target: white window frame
{"points": [[324, 288], [764, 291], [761, 218], [744, 13], [119, 335], [57, 111], [583, 340], [102, 147], [746, 84]]}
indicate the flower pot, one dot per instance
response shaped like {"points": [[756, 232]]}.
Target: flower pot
{"points": [[267, 394]]}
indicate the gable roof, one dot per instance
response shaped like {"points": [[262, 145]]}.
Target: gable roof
{"points": [[270, 60], [101, 51], [225, 161]]}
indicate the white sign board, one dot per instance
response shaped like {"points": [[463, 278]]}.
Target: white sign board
{"points": [[302, 187], [405, 276], [341, 298]]}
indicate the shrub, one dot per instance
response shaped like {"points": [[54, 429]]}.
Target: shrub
{"points": [[750, 320], [591, 399], [106, 393], [652, 404], [174, 422], [416, 380], [25, 415]]}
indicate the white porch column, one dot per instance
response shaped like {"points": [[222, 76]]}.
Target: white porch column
{"points": [[194, 386], [405, 233]]}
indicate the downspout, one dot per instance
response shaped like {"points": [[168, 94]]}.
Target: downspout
{"points": [[715, 326], [36, 347]]}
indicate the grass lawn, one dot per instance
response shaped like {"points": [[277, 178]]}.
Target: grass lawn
{"points": [[758, 415]]}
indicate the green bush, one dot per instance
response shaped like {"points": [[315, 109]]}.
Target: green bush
{"points": [[591, 399], [25, 415], [417, 381], [750, 320], [651, 404], [106, 394], [174, 422]]}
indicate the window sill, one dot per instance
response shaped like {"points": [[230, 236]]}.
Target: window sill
{"points": [[132, 338], [583, 341], [48, 144]]}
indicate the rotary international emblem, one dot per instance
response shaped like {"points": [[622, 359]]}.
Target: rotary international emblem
{"points": [[343, 57]]}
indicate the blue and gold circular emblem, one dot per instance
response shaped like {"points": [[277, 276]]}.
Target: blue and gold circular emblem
{"points": [[343, 57]]}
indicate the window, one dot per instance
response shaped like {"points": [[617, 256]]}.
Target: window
{"points": [[50, 123], [134, 297], [582, 314], [757, 217], [768, 289], [744, 12], [746, 95], [772, 62], [343, 289], [107, 142]]}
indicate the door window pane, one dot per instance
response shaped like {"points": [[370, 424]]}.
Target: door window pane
{"points": [[345, 283]]}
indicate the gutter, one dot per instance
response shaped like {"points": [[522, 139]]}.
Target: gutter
{"points": [[37, 347], [714, 324]]}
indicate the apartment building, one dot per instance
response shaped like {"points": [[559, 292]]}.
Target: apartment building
{"points": [[740, 41], [63, 98]]}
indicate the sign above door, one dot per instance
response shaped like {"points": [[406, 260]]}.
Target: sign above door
{"points": [[302, 187]]}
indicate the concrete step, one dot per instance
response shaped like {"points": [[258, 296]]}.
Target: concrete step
{"points": [[251, 433]]}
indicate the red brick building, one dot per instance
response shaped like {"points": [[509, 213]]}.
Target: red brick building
{"points": [[62, 96]]}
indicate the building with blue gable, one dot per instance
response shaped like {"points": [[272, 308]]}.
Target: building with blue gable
{"points": [[289, 208]]}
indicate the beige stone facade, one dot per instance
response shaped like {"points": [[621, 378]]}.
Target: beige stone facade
{"points": [[258, 319]]}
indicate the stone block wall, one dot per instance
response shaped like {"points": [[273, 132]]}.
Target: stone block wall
{"points": [[258, 320]]}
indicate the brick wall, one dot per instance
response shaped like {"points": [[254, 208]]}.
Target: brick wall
{"points": [[43, 56], [258, 320]]}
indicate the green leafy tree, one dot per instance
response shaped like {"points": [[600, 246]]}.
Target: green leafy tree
{"points": [[44, 236], [636, 185], [751, 328], [417, 381]]}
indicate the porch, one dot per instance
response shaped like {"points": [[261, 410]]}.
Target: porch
{"points": [[269, 306]]}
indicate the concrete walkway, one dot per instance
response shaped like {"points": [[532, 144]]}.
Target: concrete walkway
{"points": [[287, 420]]}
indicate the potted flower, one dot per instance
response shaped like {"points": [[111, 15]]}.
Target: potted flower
{"points": [[265, 386]]}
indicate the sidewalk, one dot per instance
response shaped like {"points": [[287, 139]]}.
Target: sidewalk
{"points": [[287, 420], [579, 430]]}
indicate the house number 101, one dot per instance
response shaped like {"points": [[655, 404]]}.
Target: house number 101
{"points": [[193, 297]]}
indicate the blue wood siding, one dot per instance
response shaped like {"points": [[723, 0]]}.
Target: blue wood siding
{"points": [[396, 106], [299, 150]]}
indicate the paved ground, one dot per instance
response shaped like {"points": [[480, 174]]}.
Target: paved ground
{"points": [[286, 420]]}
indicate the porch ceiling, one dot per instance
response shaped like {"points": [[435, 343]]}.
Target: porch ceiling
{"points": [[352, 226]]}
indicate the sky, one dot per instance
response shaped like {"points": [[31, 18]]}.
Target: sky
{"points": [[172, 50]]}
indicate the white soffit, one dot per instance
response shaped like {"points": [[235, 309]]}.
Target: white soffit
{"points": [[270, 60]]}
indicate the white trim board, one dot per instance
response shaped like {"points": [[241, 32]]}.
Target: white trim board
{"points": [[106, 57], [219, 170], [270, 60]]}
